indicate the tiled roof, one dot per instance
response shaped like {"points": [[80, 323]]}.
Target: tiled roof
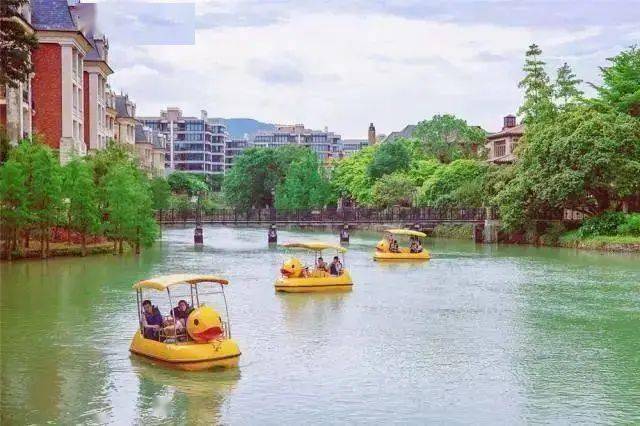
{"points": [[52, 15], [407, 132], [141, 136], [121, 106], [508, 131]]}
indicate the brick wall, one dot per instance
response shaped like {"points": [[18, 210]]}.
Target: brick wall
{"points": [[47, 93]]}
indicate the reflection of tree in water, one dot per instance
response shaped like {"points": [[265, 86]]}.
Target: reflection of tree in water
{"points": [[579, 358], [191, 397]]}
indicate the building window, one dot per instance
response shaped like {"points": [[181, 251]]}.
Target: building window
{"points": [[499, 149]]}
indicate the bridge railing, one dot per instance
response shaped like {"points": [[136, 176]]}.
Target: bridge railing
{"points": [[330, 215]]}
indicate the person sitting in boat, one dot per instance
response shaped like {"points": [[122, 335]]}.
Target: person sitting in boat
{"points": [[336, 266], [151, 321], [321, 265], [181, 313], [415, 246], [393, 247]]}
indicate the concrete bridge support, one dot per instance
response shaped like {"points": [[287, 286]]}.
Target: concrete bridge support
{"points": [[491, 227]]}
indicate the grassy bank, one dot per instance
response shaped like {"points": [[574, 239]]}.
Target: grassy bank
{"points": [[623, 243], [63, 249], [457, 232]]}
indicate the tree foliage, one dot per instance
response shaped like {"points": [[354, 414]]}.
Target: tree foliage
{"points": [[538, 103], [304, 186], [16, 45], [587, 160], [458, 184], [350, 177], [188, 183], [621, 82], [388, 158], [252, 180], [565, 88], [79, 190], [449, 138], [396, 189]]}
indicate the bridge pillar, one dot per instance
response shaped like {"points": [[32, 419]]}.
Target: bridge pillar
{"points": [[272, 235], [491, 228], [344, 234], [198, 235], [478, 232]]}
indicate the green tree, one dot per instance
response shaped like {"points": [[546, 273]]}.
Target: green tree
{"points": [[458, 184], [449, 138], [621, 82], [566, 86], [350, 179], [587, 160], [5, 145], [142, 230], [82, 198], [252, 180], [160, 194], [388, 158], [396, 189], [189, 183], [538, 93], [45, 192], [119, 185], [421, 170], [16, 45], [13, 204], [304, 187]]}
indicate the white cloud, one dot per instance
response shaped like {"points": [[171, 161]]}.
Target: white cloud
{"points": [[343, 69]]}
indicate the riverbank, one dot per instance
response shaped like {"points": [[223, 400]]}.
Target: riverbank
{"points": [[62, 250]]}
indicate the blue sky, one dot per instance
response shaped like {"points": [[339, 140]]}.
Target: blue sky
{"points": [[344, 64]]}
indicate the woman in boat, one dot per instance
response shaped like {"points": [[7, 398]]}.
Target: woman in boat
{"points": [[336, 266], [181, 313]]}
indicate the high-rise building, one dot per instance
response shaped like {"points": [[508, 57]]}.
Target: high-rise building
{"points": [[324, 143], [233, 148], [194, 144], [15, 102]]}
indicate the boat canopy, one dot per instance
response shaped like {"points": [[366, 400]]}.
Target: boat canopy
{"points": [[406, 232], [315, 246], [165, 281]]}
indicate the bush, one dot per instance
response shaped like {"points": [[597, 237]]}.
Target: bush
{"points": [[552, 234], [604, 224], [630, 226]]}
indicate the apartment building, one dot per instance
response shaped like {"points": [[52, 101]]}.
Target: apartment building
{"points": [[150, 147], [125, 122], [195, 145], [15, 102], [324, 143], [233, 148], [349, 146], [500, 145], [58, 83], [111, 113]]}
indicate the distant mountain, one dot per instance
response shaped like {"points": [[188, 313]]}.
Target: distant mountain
{"points": [[238, 127]]}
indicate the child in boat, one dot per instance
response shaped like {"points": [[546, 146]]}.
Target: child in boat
{"points": [[321, 265], [393, 247], [151, 320]]}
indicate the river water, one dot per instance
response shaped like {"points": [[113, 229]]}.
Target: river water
{"points": [[480, 334]]}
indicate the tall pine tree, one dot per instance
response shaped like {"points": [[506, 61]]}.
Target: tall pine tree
{"points": [[566, 88], [538, 93]]}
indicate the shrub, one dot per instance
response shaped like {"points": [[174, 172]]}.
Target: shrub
{"points": [[604, 224], [630, 226]]}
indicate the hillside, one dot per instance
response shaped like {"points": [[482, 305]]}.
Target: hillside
{"points": [[238, 127]]}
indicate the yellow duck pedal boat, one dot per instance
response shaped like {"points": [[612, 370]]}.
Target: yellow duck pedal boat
{"points": [[384, 250], [298, 279], [202, 342]]}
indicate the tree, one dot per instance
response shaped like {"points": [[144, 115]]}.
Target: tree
{"points": [[388, 158], [566, 86], [45, 193], [5, 145], [621, 82], [587, 160], [13, 204], [458, 184], [350, 179], [396, 189], [183, 182], [160, 194], [119, 193], [16, 44], [421, 170], [538, 93], [304, 187], [80, 192], [144, 229], [449, 138], [252, 180]]}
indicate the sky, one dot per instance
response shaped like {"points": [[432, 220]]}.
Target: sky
{"points": [[344, 64]]}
